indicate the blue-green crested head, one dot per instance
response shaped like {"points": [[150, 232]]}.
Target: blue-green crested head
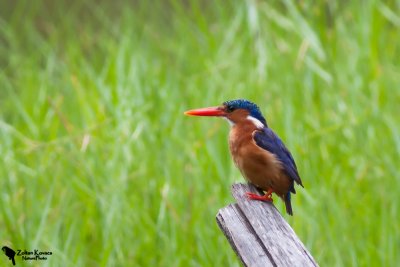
{"points": [[253, 109]]}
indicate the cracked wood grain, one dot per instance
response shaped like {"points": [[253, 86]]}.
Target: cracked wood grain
{"points": [[258, 233]]}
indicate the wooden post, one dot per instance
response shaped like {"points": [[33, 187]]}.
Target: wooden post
{"points": [[259, 234]]}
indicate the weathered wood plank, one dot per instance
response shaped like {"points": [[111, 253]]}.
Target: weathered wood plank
{"points": [[258, 226], [241, 235]]}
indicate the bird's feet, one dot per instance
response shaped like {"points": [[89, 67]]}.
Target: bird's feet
{"points": [[267, 197]]}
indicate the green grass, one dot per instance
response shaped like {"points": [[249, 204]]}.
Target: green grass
{"points": [[99, 165]]}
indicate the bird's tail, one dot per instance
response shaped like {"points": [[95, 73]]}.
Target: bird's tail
{"points": [[13, 261], [288, 204]]}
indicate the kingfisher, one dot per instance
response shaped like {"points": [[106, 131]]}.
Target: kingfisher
{"points": [[256, 150]]}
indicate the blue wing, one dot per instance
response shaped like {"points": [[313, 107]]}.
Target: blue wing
{"points": [[268, 140]]}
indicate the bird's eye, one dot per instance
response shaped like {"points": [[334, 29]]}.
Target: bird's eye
{"points": [[229, 108]]}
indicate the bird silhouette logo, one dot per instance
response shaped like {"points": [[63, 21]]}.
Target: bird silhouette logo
{"points": [[9, 253]]}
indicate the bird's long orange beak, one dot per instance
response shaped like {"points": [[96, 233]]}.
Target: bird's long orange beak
{"points": [[210, 111]]}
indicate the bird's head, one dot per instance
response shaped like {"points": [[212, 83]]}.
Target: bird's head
{"points": [[234, 111]]}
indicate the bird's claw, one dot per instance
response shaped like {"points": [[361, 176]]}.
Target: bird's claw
{"points": [[267, 197]]}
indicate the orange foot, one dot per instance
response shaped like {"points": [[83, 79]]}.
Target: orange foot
{"points": [[267, 197]]}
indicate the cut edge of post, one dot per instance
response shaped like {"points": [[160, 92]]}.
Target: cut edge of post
{"points": [[258, 231]]}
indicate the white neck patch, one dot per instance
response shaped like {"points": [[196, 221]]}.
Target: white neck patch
{"points": [[256, 122]]}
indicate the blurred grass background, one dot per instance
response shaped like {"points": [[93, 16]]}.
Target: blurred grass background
{"points": [[99, 165]]}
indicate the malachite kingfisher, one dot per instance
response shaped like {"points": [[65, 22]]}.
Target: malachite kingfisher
{"points": [[257, 151]]}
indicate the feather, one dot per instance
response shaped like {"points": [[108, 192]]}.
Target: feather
{"points": [[288, 204], [268, 140]]}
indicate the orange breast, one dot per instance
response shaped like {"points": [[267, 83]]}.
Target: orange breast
{"points": [[257, 165]]}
